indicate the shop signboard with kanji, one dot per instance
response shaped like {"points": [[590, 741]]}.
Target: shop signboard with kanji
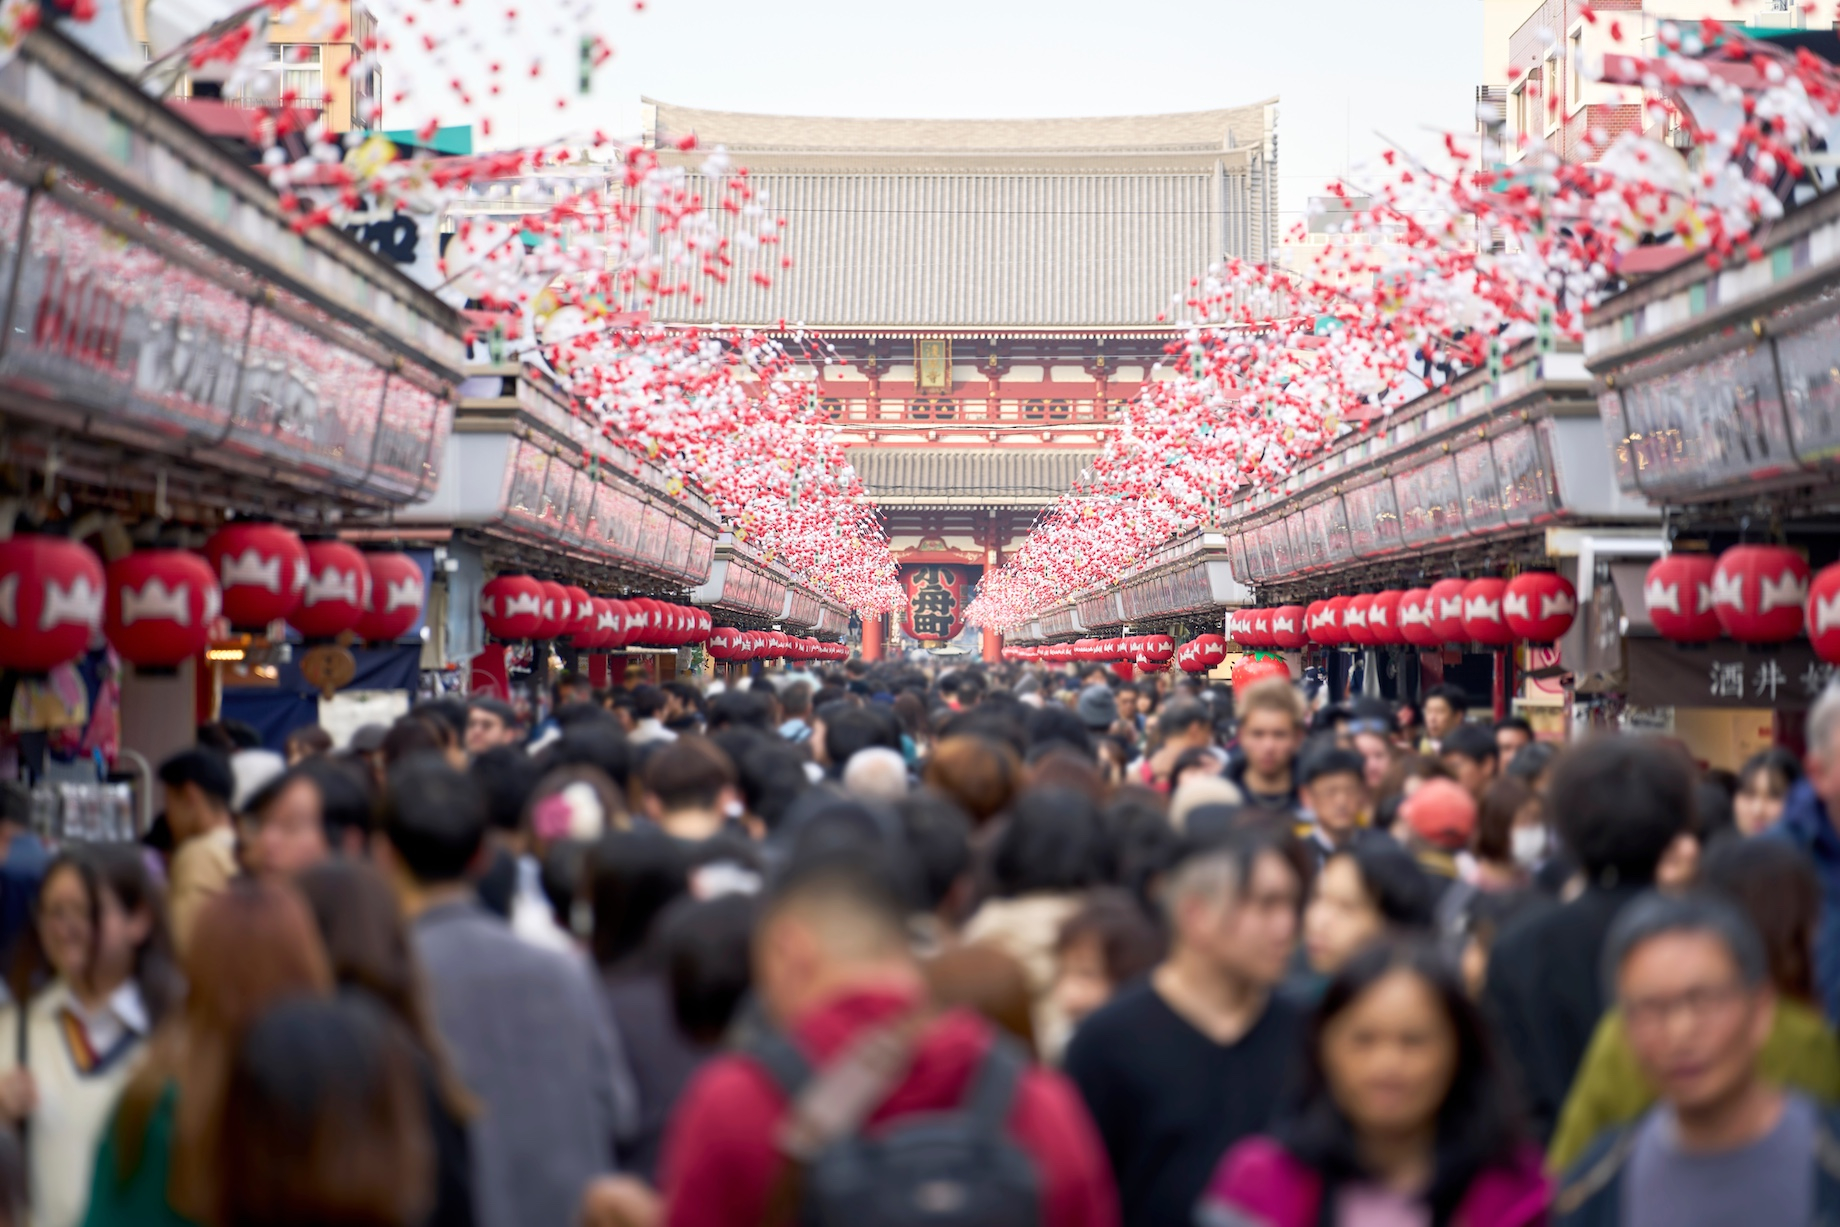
{"points": [[937, 594]]}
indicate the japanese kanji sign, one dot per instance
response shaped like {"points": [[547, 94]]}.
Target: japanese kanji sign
{"points": [[937, 594], [1785, 678]]}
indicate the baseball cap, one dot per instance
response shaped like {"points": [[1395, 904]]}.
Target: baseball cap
{"points": [[1442, 813]]}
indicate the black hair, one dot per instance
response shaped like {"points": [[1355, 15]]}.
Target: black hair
{"points": [[1329, 760], [119, 870], [1618, 802], [15, 803], [1532, 760], [1472, 741], [1453, 695], [1517, 723], [1055, 724], [346, 802], [505, 777], [1401, 891], [1777, 762], [560, 876], [242, 734], [585, 713], [1180, 715], [854, 729], [1477, 1126], [867, 876], [632, 877], [690, 772], [772, 776], [939, 841], [600, 744], [1052, 843], [648, 701], [505, 713], [750, 709], [451, 712], [208, 770], [706, 949], [434, 818]]}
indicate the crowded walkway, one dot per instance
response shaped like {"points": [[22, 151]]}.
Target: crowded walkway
{"points": [[981, 945]]}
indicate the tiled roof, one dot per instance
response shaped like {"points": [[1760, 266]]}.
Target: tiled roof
{"points": [[1011, 475], [1189, 131], [986, 224]]}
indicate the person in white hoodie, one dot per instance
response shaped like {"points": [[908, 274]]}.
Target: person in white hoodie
{"points": [[97, 974]]}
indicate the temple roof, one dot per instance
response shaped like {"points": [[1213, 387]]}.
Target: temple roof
{"points": [[915, 476], [1182, 132], [983, 224]]}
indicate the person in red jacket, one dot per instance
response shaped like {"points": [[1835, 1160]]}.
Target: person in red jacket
{"points": [[831, 961]]}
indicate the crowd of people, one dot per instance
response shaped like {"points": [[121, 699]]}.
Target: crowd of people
{"points": [[884, 945]]}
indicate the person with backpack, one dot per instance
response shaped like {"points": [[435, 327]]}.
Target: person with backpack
{"points": [[858, 1102]]}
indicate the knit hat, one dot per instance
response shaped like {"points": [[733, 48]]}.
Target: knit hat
{"points": [[1442, 813], [1097, 708]]}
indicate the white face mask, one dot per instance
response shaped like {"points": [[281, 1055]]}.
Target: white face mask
{"points": [[1530, 845]]}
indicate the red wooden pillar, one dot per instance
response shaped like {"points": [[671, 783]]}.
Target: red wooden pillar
{"points": [[1504, 683], [992, 644], [872, 638]]}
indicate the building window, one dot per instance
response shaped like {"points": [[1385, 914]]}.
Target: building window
{"points": [[295, 74], [1574, 59], [1554, 99]]}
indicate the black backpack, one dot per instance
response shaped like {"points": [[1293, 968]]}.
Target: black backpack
{"points": [[957, 1168]]}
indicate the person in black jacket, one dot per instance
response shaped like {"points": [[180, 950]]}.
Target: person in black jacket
{"points": [[1619, 804]]}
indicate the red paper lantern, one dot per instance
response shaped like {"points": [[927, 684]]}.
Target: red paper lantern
{"points": [[261, 570], [1758, 592], [1540, 606], [724, 642], [1483, 620], [1823, 614], [511, 607], [600, 623], [1255, 668], [702, 627], [1157, 650], [51, 597], [1210, 650], [160, 607], [577, 612], [557, 613], [1354, 619], [1312, 616], [1383, 619], [1236, 625], [1678, 593], [1447, 611], [617, 614], [397, 595], [1416, 609], [1329, 630], [1288, 629], [338, 589]]}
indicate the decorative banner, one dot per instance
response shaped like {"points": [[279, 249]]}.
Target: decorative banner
{"points": [[937, 594]]}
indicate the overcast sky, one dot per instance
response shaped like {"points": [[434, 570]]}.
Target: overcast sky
{"points": [[1343, 69]]}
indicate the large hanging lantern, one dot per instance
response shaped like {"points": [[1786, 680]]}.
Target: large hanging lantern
{"points": [[1157, 650], [1383, 619], [1758, 592], [1329, 630], [1354, 620], [1483, 621], [1416, 608], [594, 634], [161, 605], [1236, 625], [1209, 649], [261, 570], [1447, 611], [1540, 606], [511, 606], [1823, 614], [613, 618], [397, 595], [1287, 628], [705, 626], [51, 596], [579, 619], [558, 611], [1678, 593], [338, 588]]}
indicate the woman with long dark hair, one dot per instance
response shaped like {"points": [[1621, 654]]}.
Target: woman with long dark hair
{"points": [[1403, 1117], [97, 972], [368, 946]]}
